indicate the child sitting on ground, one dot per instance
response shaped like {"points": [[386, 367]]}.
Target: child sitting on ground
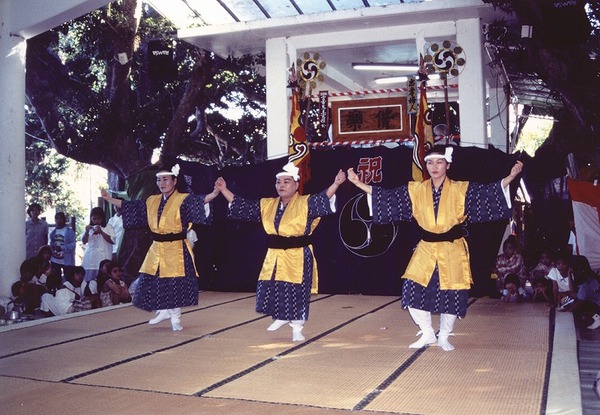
{"points": [[513, 292], [542, 291], [562, 281], [58, 301], [115, 290], [510, 261], [33, 283], [86, 298], [544, 265]]}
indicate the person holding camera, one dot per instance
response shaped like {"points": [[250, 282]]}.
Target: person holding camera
{"points": [[99, 239]]}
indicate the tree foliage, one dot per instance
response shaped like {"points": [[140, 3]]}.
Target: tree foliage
{"points": [[46, 174], [563, 52], [88, 82]]}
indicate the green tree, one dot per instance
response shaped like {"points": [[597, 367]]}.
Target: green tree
{"points": [[47, 174], [88, 82], [563, 52]]}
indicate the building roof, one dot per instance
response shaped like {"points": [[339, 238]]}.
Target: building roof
{"points": [[242, 26]]}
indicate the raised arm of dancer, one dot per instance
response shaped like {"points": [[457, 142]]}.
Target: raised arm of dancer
{"points": [[514, 172], [211, 195], [221, 185], [353, 177], [111, 200], [340, 178]]}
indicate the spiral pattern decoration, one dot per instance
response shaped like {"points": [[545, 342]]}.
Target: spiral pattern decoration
{"points": [[311, 70], [445, 58]]}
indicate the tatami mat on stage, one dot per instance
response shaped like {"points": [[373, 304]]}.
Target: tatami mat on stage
{"points": [[498, 367], [335, 371], [201, 362], [354, 359], [19, 337], [26, 397]]}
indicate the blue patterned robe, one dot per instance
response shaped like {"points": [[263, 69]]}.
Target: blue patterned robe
{"points": [[154, 293], [279, 299], [483, 203]]}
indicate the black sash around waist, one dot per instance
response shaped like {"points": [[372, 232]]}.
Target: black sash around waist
{"points": [[456, 232], [287, 242], [168, 237]]}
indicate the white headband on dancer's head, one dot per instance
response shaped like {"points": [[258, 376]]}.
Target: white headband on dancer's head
{"points": [[290, 170], [447, 155], [174, 172]]}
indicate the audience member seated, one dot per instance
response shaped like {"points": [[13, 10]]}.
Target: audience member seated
{"points": [[562, 280], [33, 283], [513, 292], [103, 273], [543, 267], [510, 262], [115, 290], [542, 291], [45, 256], [17, 300], [86, 299], [58, 300], [586, 308]]}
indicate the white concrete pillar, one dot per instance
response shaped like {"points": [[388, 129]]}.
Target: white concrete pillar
{"points": [[471, 89], [497, 114], [12, 153], [278, 110]]}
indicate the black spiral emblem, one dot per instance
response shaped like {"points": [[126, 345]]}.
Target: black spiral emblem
{"points": [[446, 58], [357, 232], [311, 70]]}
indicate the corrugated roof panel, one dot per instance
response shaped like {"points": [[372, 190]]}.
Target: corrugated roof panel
{"points": [[313, 6], [176, 11], [374, 3], [348, 4], [245, 10], [186, 13], [279, 8], [210, 11]]}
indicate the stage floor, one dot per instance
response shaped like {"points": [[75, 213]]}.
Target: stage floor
{"points": [[509, 359]]}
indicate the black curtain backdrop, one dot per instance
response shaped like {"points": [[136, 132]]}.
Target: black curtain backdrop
{"points": [[229, 253]]}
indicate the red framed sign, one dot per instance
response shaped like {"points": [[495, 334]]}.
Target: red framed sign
{"points": [[381, 118]]}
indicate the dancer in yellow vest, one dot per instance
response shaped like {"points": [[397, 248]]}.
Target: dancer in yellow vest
{"points": [[289, 270], [168, 279], [438, 276]]}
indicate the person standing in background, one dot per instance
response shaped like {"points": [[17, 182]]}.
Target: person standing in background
{"points": [[36, 231], [62, 243], [99, 239], [116, 221]]}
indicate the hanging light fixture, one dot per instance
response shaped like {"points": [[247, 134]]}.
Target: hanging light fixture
{"points": [[384, 66], [399, 79]]}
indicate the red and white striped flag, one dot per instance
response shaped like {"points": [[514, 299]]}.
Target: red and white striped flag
{"points": [[586, 214]]}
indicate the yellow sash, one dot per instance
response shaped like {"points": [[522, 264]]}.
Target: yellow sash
{"points": [[166, 258], [288, 262], [452, 258]]}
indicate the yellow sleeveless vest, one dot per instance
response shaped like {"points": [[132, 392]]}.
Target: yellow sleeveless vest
{"points": [[452, 258], [166, 257], [289, 262]]}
